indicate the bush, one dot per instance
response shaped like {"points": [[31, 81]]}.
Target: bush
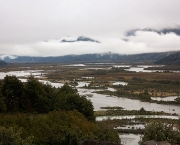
{"points": [[57, 128], [67, 99], [9, 136], [159, 131]]}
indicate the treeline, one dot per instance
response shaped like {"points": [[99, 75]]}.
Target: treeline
{"points": [[34, 96], [53, 128], [37, 113]]}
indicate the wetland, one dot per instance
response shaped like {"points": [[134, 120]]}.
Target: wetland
{"points": [[124, 97]]}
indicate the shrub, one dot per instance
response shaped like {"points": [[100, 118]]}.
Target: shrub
{"points": [[9, 136]]}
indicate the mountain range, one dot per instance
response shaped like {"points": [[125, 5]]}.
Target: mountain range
{"points": [[97, 57], [173, 59], [2, 63]]}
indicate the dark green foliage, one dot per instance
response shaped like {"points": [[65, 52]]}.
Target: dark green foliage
{"points": [[58, 128], [35, 95], [142, 111], [159, 131], [12, 90], [50, 93], [67, 126], [144, 97], [177, 100], [99, 72], [66, 89], [68, 99], [118, 69], [138, 79], [10, 136], [2, 105]]}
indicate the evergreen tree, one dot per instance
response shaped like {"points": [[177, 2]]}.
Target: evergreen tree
{"points": [[12, 90]]}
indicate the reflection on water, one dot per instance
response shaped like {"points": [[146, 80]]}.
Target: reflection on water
{"points": [[82, 84], [87, 77], [170, 98], [141, 69], [135, 126], [111, 89], [21, 73], [75, 65], [121, 66], [130, 139], [100, 100], [96, 68], [100, 118], [146, 66], [56, 85], [100, 63], [120, 83]]}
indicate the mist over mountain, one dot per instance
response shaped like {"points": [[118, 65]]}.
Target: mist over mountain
{"points": [[96, 57], [162, 31], [80, 38]]}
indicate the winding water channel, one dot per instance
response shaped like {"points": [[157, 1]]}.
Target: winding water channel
{"points": [[100, 100]]}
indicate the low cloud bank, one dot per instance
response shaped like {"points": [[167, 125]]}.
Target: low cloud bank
{"points": [[141, 42]]}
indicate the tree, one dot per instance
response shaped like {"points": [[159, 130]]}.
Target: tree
{"points": [[50, 93], [2, 104], [142, 111], [12, 90], [35, 94], [159, 131], [67, 99], [177, 100]]}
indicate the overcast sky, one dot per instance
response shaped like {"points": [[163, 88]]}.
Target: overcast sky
{"points": [[36, 27]]}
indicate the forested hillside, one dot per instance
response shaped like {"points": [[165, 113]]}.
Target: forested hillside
{"points": [[173, 59]]}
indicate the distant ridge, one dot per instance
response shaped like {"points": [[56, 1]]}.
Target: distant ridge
{"points": [[2, 63], [105, 57], [173, 59]]}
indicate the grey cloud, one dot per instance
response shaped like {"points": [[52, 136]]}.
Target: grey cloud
{"points": [[25, 24]]}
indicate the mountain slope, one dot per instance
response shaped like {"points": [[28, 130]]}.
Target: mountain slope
{"points": [[171, 59], [2, 63], [105, 57]]}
